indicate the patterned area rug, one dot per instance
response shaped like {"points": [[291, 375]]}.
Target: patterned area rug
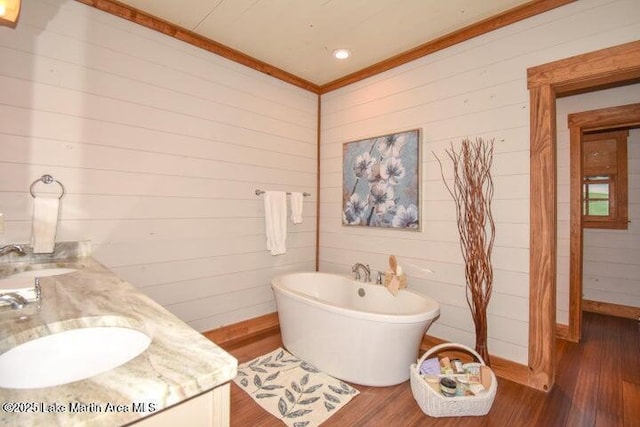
{"points": [[292, 390]]}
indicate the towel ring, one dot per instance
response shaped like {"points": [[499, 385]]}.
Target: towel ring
{"points": [[47, 179]]}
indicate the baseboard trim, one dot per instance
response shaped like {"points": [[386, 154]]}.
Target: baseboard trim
{"points": [[611, 309], [241, 332], [562, 332], [503, 368], [252, 329]]}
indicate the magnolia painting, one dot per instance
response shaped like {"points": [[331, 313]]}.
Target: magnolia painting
{"points": [[380, 181]]}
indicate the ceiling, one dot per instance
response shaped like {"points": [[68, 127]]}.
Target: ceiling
{"points": [[298, 36]]}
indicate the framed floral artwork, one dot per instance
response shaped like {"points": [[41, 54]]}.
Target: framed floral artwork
{"points": [[381, 181]]}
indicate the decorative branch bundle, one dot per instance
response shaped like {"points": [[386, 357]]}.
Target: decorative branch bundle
{"points": [[472, 191]]}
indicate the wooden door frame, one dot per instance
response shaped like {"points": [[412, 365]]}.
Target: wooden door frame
{"points": [[623, 116], [582, 73]]}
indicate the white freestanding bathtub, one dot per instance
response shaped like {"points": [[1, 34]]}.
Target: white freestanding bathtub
{"points": [[357, 332]]}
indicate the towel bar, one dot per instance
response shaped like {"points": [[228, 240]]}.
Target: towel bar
{"points": [[47, 179], [259, 192]]}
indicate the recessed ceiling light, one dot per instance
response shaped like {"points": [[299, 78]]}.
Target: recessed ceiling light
{"points": [[341, 53]]}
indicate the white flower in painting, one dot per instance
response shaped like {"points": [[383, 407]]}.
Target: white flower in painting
{"points": [[392, 170], [391, 145], [362, 165], [406, 217], [381, 197], [354, 210], [374, 174]]}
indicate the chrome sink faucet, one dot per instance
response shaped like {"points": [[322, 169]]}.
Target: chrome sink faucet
{"points": [[11, 248], [16, 300], [356, 271]]}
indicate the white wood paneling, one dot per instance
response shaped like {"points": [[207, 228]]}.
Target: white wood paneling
{"points": [[474, 89], [160, 146]]}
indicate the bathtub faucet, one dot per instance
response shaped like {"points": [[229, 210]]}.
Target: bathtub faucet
{"points": [[356, 271]]}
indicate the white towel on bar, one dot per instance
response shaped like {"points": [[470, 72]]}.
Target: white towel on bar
{"points": [[275, 216], [296, 207], [45, 223]]}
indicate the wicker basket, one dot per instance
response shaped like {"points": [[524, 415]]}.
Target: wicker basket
{"points": [[435, 404]]}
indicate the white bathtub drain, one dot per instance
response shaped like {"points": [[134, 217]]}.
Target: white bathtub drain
{"points": [[361, 292]]}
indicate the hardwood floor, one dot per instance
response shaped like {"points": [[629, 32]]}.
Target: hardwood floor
{"points": [[597, 384]]}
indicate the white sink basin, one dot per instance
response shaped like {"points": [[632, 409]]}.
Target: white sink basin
{"points": [[45, 272], [25, 279], [69, 356]]}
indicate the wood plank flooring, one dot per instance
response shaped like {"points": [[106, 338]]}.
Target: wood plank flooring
{"points": [[597, 384]]}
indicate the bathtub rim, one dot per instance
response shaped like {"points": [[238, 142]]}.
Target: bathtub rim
{"points": [[310, 300]]}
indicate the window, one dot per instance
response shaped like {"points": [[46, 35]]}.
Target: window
{"points": [[595, 196], [604, 179]]}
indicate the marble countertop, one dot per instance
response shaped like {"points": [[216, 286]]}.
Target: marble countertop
{"points": [[178, 364]]}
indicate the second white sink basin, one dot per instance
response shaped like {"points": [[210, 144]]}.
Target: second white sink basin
{"points": [[44, 272], [25, 279], [69, 356]]}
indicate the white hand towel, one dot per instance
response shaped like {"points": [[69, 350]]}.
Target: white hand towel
{"points": [[296, 207], [275, 215], [45, 223]]}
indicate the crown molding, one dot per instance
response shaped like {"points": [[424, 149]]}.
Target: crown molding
{"points": [[508, 17]]}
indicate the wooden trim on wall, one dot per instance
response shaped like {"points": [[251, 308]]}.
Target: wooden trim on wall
{"points": [[240, 333], [508, 17], [231, 335], [611, 309], [542, 274], [587, 72], [606, 118], [503, 368], [318, 152], [562, 332], [574, 328]]}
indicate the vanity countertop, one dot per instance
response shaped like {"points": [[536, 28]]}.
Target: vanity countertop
{"points": [[179, 363]]}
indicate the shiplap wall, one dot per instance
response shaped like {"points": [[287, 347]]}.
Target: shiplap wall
{"points": [[474, 89], [611, 258], [160, 146]]}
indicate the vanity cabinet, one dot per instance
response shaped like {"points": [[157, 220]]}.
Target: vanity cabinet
{"points": [[205, 410], [184, 374]]}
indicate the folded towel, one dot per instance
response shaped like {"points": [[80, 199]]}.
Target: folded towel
{"points": [[45, 222], [275, 215], [296, 207]]}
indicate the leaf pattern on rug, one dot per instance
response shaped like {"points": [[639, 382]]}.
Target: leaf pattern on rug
{"points": [[292, 389]]}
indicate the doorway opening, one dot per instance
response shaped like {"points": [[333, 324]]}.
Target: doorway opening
{"points": [[583, 73], [580, 124]]}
